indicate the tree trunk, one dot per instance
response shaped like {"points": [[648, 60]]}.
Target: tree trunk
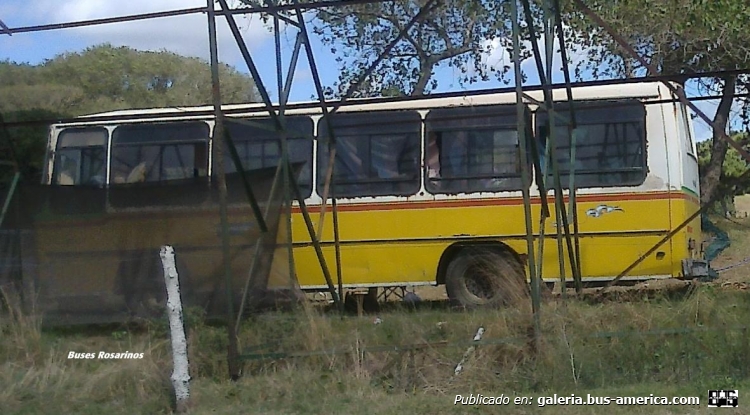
{"points": [[425, 73], [712, 172], [627, 63]]}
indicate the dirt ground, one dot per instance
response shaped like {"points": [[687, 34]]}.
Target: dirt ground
{"points": [[742, 205]]}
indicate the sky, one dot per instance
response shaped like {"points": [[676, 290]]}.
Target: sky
{"points": [[187, 35]]}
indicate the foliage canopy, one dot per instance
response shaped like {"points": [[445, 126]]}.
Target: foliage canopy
{"points": [[455, 34], [104, 78]]}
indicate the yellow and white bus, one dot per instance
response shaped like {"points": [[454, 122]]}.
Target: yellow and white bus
{"points": [[421, 184]]}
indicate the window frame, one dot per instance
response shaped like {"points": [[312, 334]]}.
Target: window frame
{"points": [[59, 148], [684, 120], [480, 118], [182, 192], [162, 145], [265, 130], [626, 123], [352, 127]]}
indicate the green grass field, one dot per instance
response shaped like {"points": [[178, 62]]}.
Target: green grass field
{"points": [[336, 365]]}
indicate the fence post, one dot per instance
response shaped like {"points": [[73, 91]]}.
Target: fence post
{"points": [[745, 351], [180, 372], [460, 366]]}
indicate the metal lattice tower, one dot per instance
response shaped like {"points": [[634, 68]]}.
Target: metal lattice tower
{"points": [[566, 233]]}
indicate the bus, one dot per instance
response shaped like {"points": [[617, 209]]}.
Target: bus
{"points": [[426, 188]]}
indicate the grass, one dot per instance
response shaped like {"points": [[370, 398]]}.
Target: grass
{"points": [[338, 365], [738, 230], [39, 377]]}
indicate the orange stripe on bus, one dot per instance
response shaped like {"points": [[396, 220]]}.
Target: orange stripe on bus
{"points": [[158, 213], [435, 204]]}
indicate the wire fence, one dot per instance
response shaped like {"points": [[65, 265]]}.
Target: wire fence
{"points": [[68, 255], [567, 359]]}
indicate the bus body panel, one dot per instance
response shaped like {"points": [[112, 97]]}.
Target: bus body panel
{"points": [[407, 241], [399, 240]]}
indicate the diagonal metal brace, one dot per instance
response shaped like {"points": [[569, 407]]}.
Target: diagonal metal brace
{"points": [[245, 182], [313, 238], [251, 65], [303, 35], [5, 29]]}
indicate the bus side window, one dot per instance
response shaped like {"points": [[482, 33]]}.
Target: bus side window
{"points": [[472, 149], [80, 157], [259, 147], [377, 153], [168, 157], [610, 144], [683, 120], [159, 152]]}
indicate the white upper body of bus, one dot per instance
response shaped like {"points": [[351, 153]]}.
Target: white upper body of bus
{"points": [[634, 137]]}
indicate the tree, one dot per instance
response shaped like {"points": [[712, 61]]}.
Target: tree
{"points": [[734, 167], [458, 34], [104, 78], [679, 36], [29, 143]]}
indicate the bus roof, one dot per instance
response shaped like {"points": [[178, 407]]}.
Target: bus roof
{"points": [[581, 91]]}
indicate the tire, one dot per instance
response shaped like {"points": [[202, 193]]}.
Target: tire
{"points": [[484, 277]]}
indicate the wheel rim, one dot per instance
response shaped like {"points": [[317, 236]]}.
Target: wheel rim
{"points": [[479, 285]]}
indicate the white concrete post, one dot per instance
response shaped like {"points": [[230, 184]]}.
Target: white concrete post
{"points": [[180, 372]]}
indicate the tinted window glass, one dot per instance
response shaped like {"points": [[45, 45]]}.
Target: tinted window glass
{"points": [[159, 152], [81, 157], [472, 149], [259, 147], [377, 153], [610, 143]]}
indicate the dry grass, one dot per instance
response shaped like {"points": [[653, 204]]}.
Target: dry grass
{"points": [[742, 205], [739, 249], [353, 377], [341, 367]]}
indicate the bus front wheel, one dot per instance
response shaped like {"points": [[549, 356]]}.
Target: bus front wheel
{"points": [[479, 277]]}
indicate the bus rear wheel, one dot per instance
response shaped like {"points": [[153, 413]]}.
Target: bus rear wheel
{"points": [[483, 277]]}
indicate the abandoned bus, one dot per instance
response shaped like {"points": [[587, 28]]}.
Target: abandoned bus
{"points": [[421, 185]]}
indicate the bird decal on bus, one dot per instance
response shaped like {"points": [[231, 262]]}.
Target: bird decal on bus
{"points": [[602, 209]]}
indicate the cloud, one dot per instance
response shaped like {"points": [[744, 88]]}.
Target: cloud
{"points": [[185, 35], [497, 56]]}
